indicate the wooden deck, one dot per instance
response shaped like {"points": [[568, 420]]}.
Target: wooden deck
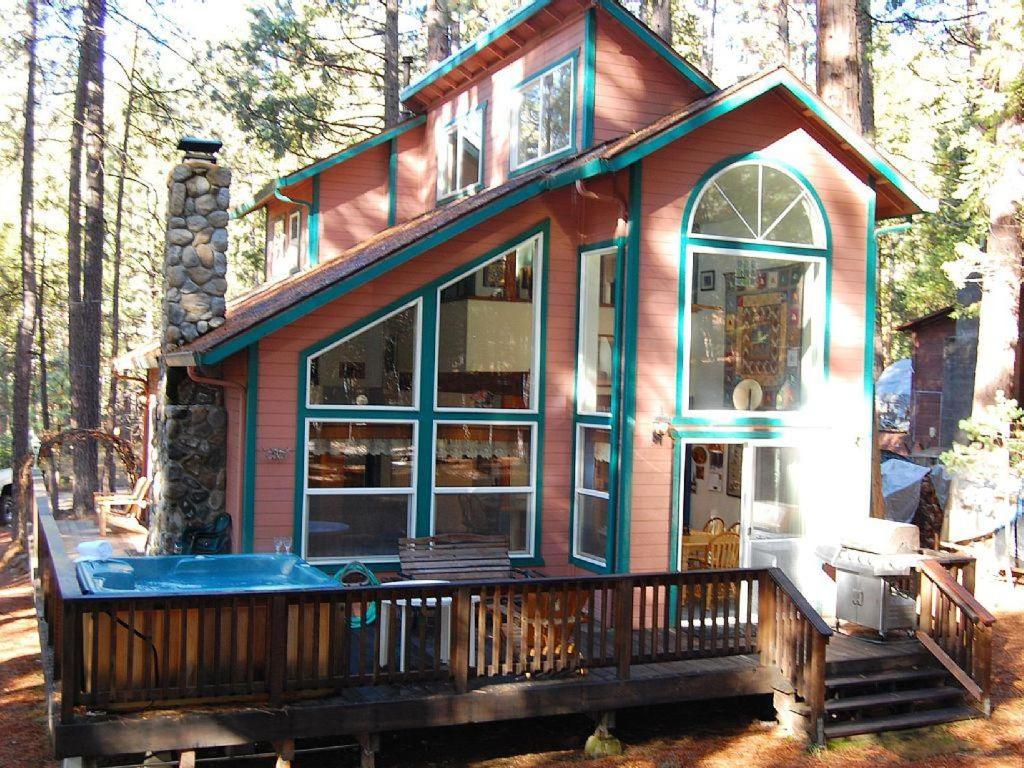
{"points": [[74, 532]]}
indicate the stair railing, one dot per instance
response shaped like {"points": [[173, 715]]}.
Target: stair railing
{"points": [[957, 630], [792, 636]]}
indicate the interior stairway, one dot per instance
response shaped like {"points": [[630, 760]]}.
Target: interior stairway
{"points": [[888, 694]]}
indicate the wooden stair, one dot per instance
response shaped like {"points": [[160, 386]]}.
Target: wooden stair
{"points": [[906, 691]]}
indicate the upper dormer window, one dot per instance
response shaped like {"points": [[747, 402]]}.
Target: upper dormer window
{"points": [[460, 154], [543, 119]]}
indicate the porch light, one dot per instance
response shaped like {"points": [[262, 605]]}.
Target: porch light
{"points": [[661, 426]]}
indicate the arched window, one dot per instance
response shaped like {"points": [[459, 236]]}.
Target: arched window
{"points": [[752, 201]]}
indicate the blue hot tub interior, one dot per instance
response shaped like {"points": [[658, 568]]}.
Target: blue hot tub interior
{"points": [[199, 573]]}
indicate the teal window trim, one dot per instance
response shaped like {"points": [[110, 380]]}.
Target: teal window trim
{"points": [[425, 415], [870, 301], [626, 416], [608, 421], [690, 242], [514, 169], [477, 112], [392, 182], [589, 76], [249, 480]]}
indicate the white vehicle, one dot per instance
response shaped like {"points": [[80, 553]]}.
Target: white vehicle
{"points": [[6, 502]]}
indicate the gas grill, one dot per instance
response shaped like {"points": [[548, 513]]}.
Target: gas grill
{"points": [[869, 561]]}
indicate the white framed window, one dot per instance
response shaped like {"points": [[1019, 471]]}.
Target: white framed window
{"points": [[376, 366], [597, 342], [543, 115], [755, 340], [460, 154], [488, 326], [359, 488], [591, 515], [294, 247], [277, 265], [754, 201], [484, 480]]}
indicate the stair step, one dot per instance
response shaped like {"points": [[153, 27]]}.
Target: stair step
{"points": [[843, 667], [893, 698], [885, 677], [899, 722]]}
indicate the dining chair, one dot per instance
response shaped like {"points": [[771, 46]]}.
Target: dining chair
{"points": [[715, 525]]}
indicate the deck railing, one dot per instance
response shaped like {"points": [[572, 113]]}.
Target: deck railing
{"points": [[956, 628], [144, 649]]}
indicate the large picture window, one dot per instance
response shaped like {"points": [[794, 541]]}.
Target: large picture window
{"points": [[593, 471], [543, 120], [488, 324], [460, 154], [360, 485], [484, 481], [375, 366], [756, 331]]}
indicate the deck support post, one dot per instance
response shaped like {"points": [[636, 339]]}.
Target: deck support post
{"points": [[285, 753], [623, 626], [460, 661], [601, 743], [369, 746], [187, 759]]}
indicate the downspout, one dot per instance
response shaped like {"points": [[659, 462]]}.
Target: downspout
{"points": [[620, 228], [236, 532]]}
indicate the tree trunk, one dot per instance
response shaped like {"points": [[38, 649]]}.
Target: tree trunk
{"points": [[709, 44], [391, 87], [438, 41], [85, 327], [780, 10], [838, 65], [115, 298], [865, 55], [20, 448], [999, 315], [44, 393], [658, 16]]}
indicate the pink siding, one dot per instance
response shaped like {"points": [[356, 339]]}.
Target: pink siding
{"points": [[353, 201], [634, 86], [234, 370], [415, 194], [770, 126]]}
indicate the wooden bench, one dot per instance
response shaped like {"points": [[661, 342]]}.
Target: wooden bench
{"points": [[457, 557], [123, 509]]}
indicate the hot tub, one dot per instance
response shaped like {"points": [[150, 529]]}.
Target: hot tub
{"points": [[199, 573]]}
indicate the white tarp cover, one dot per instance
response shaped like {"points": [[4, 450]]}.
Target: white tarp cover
{"points": [[892, 395], [901, 487]]}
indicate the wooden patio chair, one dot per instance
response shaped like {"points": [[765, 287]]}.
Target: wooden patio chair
{"points": [[546, 622], [123, 509], [715, 525]]}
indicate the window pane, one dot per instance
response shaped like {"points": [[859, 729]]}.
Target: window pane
{"points": [[557, 129], [796, 226], [595, 458], [778, 191], [483, 455], [591, 526], [374, 367], [448, 164], [754, 340], [776, 507], [486, 335], [597, 332], [714, 216], [472, 141], [356, 525], [486, 513], [529, 123], [739, 185], [353, 455]]}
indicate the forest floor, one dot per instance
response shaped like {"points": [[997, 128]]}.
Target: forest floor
{"points": [[723, 734]]}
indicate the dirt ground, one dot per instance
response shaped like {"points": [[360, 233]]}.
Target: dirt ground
{"points": [[727, 734]]}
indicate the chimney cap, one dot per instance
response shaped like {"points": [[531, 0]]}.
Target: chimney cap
{"points": [[196, 145]]}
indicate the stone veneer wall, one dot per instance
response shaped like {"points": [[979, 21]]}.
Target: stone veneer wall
{"points": [[190, 451], [195, 270]]}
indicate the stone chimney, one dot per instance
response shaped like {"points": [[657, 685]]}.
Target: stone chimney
{"points": [[190, 451]]}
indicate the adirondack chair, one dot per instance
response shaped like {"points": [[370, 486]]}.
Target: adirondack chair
{"points": [[457, 557], [122, 508]]}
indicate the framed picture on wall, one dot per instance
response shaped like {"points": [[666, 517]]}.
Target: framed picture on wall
{"points": [[734, 470], [707, 280]]}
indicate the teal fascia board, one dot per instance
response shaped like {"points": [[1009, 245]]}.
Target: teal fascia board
{"points": [[659, 46], [313, 225], [870, 305], [392, 182], [249, 480], [466, 52]]}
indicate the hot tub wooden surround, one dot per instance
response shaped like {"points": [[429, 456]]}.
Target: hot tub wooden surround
{"points": [[179, 671]]}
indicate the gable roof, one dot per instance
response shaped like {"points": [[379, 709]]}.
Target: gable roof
{"points": [[503, 41], [931, 317], [281, 303]]}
